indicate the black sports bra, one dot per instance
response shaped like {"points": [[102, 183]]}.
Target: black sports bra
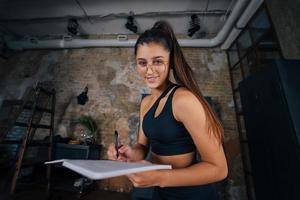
{"points": [[166, 135]]}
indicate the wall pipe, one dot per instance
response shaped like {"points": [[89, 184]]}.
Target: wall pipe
{"points": [[242, 22], [239, 7]]}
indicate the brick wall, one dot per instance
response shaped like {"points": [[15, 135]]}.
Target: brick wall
{"points": [[115, 92]]}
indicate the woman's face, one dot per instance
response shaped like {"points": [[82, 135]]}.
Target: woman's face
{"points": [[152, 62]]}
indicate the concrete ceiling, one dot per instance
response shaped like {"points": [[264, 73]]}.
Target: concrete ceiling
{"points": [[98, 17]]}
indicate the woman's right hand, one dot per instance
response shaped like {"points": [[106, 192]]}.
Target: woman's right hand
{"points": [[124, 151]]}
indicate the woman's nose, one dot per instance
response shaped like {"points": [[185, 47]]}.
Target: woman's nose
{"points": [[149, 70]]}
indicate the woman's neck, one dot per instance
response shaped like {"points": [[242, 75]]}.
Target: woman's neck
{"points": [[156, 92]]}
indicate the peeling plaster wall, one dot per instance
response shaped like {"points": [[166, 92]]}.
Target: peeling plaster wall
{"points": [[115, 91]]}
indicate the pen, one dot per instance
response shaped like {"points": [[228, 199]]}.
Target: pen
{"points": [[117, 142]]}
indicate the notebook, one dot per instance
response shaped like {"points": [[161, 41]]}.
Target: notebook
{"points": [[102, 169]]}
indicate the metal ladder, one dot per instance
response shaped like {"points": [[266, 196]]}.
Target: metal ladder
{"points": [[29, 115], [251, 61]]}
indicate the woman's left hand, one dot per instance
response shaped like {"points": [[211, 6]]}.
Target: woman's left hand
{"points": [[147, 178]]}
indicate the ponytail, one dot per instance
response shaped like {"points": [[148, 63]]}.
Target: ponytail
{"points": [[162, 33]]}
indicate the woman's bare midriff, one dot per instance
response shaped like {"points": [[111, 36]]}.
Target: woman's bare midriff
{"points": [[177, 161]]}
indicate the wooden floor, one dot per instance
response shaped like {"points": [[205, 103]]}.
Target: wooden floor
{"points": [[35, 189], [39, 194]]}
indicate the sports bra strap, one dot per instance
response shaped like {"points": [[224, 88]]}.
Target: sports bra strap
{"points": [[167, 90], [173, 91]]}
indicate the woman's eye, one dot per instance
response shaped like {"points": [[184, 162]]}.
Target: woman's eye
{"points": [[157, 62], [143, 64]]}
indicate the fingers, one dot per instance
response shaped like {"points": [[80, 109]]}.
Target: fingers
{"points": [[124, 153], [111, 152], [137, 181], [123, 158], [124, 148], [132, 178], [143, 161]]}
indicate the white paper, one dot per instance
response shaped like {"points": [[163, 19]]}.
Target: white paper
{"points": [[101, 169]]}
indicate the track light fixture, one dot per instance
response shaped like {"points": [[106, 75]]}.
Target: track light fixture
{"points": [[194, 25], [73, 26], [130, 24]]}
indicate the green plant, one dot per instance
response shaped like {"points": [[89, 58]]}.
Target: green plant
{"points": [[89, 123]]}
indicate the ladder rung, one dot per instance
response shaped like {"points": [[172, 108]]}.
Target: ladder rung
{"points": [[243, 141], [4, 123], [31, 143], [235, 66], [11, 142], [39, 109], [243, 132], [33, 125], [239, 113], [248, 172], [29, 103], [46, 91], [31, 163], [26, 183], [39, 143], [12, 102]]}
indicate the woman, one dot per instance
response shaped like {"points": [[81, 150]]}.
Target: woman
{"points": [[176, 122]]}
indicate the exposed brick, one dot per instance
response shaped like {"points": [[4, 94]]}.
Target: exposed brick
{"points": [[115, 92]]}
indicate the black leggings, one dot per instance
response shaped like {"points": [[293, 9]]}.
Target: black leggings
{"points": [[203, 192]]}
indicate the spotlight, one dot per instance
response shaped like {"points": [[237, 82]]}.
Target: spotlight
{"points": [[73, 26], [83, 98], [194, 25], [130, 24]]}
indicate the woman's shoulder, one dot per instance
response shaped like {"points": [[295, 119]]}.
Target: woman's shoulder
{"points": [[185, 100], [184, 96], [186, 104]]}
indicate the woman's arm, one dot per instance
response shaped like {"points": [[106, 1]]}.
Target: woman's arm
{"points": [[213, 165]]}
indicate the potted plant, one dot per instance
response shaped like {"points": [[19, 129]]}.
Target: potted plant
{"points": [[85, 129]]}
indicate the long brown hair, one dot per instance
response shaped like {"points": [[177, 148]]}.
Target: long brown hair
{"points": [[163, 34]]}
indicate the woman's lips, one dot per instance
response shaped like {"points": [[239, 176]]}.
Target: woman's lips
{"points": [[151, 79]]}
